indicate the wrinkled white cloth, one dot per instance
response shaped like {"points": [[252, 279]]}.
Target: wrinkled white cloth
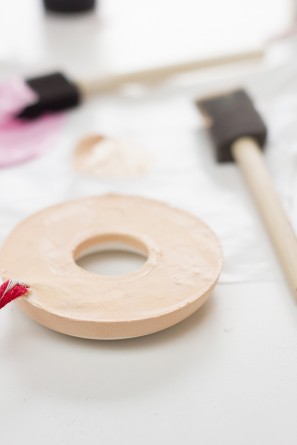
{"points": [[184, 173]]}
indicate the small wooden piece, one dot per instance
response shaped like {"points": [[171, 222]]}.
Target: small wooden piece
{"points": [[183, 264]]}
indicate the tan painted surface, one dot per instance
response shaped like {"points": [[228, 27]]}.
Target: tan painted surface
{"points": [[104, 157], [183, 265]]}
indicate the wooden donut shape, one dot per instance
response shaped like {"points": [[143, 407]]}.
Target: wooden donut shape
{"points": [[184, 260]]}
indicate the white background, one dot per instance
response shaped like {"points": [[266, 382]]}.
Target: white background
{"points": [[227, 375]]}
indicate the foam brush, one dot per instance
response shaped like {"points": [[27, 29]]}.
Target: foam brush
{"points": [[56, 91], [239, 135]]}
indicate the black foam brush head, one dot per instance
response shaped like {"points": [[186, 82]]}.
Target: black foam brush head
{"points": [[230, 117], [55, 92], [69, 6]]}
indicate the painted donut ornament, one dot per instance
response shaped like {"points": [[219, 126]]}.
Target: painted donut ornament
{"points": [[39, 269]]}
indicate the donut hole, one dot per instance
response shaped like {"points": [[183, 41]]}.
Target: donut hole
{"points": [[111, 254]]}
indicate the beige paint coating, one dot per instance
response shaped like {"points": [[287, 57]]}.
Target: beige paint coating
{"points": [[184, 260], [104, 157]]}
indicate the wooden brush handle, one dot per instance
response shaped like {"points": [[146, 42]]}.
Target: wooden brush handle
{"points": [[112, 82], [250, 160]]}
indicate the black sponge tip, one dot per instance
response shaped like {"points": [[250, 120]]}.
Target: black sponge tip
{"points": [[69, 6], [55, 93], [232, 116]]}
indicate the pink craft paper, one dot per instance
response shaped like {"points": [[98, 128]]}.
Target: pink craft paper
{"points": [[20, 140], [15, 95]]}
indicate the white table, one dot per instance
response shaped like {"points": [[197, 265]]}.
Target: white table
{"points": [[225, 376]]}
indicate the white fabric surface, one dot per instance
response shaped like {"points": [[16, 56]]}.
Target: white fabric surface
{"points": [[165, 122]]}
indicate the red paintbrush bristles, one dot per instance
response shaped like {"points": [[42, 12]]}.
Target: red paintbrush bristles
{"points": [[10, 290]]}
